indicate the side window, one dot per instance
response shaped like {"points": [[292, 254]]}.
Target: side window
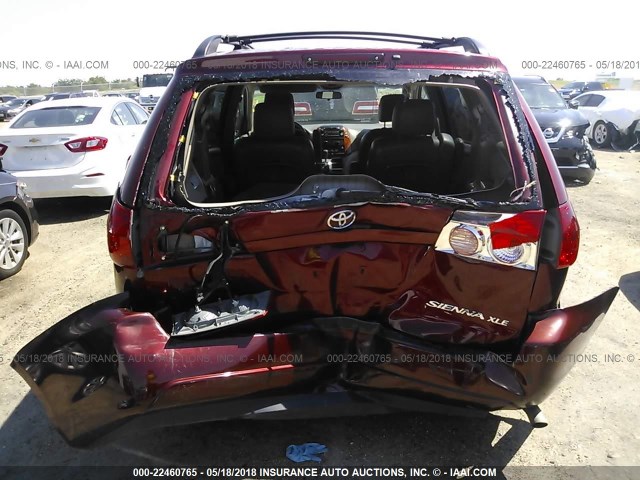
{"points": [[583, 100], [140, 115], [595, 100], [115, 119], [124, 114]]}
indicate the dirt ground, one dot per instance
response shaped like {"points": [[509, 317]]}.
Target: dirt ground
{"points": [[593, 414]]}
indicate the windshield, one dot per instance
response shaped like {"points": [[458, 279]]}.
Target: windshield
{"points": [[57, 117], [574, 85], [357, 104], [156, 80], [541, 95]]}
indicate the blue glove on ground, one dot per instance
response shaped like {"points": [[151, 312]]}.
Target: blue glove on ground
{"points": [[305, 452]]}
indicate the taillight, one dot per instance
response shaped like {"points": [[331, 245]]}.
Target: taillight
{"points": [[3, 149], [119, 234], [302, 109], [570, 236], [86, 144], [507, 239], [365, 107]]}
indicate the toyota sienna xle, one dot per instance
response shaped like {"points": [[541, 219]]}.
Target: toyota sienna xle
{"points": [[273, 266]]}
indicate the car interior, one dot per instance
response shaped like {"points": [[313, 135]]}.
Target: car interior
{"points": [[247, 142]]}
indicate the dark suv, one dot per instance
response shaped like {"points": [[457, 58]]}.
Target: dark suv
{"points": [[573, 89], [259, 278], [563, 128]]}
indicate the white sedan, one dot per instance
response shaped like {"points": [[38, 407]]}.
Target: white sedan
{"points": [[72, 147], [614, 116]]}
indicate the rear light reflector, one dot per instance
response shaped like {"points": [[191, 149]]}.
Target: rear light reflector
{"points": [[86, 144], [466, 240], [570, 236], [507, 239], [510, 255], [3, 149], [119, 234]]}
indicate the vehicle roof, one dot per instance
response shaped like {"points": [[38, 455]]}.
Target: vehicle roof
{"points": [[424, 58], [83, 102]]}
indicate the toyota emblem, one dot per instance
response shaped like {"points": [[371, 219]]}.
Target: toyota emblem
{"points": [[341, 219]]}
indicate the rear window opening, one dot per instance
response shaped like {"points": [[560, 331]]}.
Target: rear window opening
{"points": [[252, 142]]}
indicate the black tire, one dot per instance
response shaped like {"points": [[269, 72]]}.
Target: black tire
{"points": [[601, 134], [11, 218]]}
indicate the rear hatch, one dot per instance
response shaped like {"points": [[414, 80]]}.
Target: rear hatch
{"points": [[393, 262], [40, 148]]}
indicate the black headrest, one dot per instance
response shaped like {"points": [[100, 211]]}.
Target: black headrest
{"points": [[66, 117], [273, 120], [413, 117], [386, 106], [285, 98]]}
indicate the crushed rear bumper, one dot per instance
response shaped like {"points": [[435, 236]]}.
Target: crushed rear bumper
{"points": [[106, 370]]}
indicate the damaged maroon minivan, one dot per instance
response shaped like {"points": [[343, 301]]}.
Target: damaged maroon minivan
{"points": [[323, 232]]}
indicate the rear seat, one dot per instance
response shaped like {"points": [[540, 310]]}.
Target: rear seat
{"points": [[414, 156], [357, 155], [273, 159]]}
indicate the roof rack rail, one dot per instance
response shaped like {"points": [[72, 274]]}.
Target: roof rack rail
{"points": [[211, 44]]}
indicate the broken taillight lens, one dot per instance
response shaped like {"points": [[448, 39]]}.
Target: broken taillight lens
{"points": [[570, 236], [119, 234], [507, 239]]}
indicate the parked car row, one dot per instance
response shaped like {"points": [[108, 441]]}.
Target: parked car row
{"points": [[573, 89], [72, 147], [10, 105], [563, 128], [60, 148], [14, 106], [571, 121]]}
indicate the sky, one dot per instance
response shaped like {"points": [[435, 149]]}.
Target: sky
{"points": [[43, 40]]}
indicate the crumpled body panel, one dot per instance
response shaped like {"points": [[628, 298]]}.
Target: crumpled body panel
{"points": [[107, 369]]}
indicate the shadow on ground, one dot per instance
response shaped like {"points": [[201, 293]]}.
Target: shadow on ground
{"points": [[27, 438], [630, 287], [67, 210]]}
